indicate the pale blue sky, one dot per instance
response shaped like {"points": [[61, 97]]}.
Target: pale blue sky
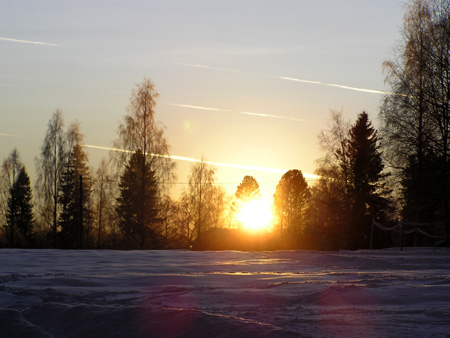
{"points": [[227, 55]]}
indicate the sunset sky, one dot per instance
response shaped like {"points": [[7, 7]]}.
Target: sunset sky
{"points": [[248, 83]]}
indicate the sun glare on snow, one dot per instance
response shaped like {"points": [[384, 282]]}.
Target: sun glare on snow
{"points": [[255, 214]]}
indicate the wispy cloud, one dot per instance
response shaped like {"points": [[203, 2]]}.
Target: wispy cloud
{"points": [[237, 112], [372, 91], [29, 42], [217, 164]]}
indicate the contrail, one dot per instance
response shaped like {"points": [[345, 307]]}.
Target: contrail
{"points": [[218, 164], [198, 107], [29, 42], [9, 135], [237, 112], [372, 91], [205, 67], [10, 85]]}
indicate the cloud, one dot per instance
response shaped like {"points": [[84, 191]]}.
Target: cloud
{"points": [[217, 164], [29, 42], [237, 112], [372, 91]]}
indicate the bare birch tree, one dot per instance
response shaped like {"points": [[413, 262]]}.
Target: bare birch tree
{"points": [[416, 117], [49, 167], [199, 194], [141, 142]]}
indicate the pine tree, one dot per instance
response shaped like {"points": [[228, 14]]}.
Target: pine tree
{"points": [[367, 191], [74, 199], [19, 217], [138, 204]]}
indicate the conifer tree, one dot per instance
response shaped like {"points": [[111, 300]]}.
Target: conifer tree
{"points": [[19, 216], [352, 188], [75, 193], [142, 142], [9, 170], [137, 205], [367, 190], [416, 118]]}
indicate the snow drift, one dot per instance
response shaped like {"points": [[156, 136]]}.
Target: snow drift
{"points": [[391, 293]]}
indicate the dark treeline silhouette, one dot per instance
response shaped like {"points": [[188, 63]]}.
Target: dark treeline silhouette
{"points": [[399, 174], [416, 117]]}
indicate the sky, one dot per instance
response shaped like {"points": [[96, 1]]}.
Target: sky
{"points": [[248, 85]]}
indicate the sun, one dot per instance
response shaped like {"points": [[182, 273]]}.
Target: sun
{"points": [[255, 214]]}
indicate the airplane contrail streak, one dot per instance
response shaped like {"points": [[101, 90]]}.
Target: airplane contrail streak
{"points": [[29, 42], [372, 91], [365, 90], [198, 107], [218, 164], [9, 135], [205, 67], [237, 112]]}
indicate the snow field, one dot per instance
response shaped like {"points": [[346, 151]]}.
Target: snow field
{"points": [[389, 293]]}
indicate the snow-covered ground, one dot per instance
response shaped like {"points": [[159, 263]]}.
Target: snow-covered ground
{"points": [[382, 293]]}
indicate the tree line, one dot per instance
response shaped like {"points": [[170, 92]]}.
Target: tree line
{"points": [[399, 172]]}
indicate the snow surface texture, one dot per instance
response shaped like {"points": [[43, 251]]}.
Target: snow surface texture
{"points": [[380, 293]]}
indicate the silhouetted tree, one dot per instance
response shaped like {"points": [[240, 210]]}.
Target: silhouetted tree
{"points": [[416, 118], [248, 189], [245, 192], [366, 180], [50, 167], [199, 199], [140, 132], [104, 194], [351, 190], [141, 142], [324, 222], [185, 216], [10, 168], [290, 199], [138, 204], [220, 207], [333, 194], [75, 193], [19, 217], [169, 229]]}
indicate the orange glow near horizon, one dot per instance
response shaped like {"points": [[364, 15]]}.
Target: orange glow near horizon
{"points": [[255, 215]]}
